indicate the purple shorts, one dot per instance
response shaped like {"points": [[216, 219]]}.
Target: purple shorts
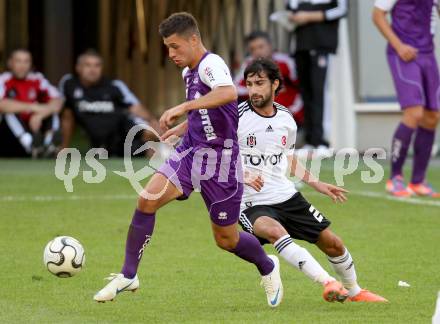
{"points": [[417, 82], [211, 172]]}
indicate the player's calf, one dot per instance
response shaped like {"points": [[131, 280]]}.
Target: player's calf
{"points": [[330, 243]]}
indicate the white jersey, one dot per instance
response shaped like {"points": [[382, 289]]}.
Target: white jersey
{"points": [[265, 142]]}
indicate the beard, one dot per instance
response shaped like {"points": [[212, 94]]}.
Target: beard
{"points": [[260, 101]]}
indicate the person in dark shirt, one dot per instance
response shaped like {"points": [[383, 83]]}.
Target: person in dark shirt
{"points": [[105, 108], [316, 36]]}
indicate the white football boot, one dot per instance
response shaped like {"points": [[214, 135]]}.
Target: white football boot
{"points": [[272, 284], [118, 283]]}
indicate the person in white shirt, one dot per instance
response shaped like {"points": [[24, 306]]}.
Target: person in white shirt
{"points": [[272, 209]]}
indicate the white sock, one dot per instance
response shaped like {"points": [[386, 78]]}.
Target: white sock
{"points": [[301, 259], [344, 267]]}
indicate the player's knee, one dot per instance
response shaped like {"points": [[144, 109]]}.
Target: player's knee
{"points": [[227, 243], [431, 120], [413, 116], [147, 205], [274, 233]]}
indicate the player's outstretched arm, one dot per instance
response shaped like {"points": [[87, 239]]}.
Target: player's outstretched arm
{"points": [[219, 96], [337, 194], [405, 52]]}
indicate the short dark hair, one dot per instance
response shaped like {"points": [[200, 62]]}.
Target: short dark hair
{"points": [[89, 52], [267, 66], [19, 49], [256, 34], [181, 23]]}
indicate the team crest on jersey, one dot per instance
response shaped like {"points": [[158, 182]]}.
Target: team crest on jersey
{"points": [[32, 94], [78, 93], [251, 140], [284, 140]]}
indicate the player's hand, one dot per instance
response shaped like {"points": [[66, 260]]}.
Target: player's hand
{"points": [[172, 135], [299, 17], [35, 122], [337, 194], [253, 180], [171, 115], [406, 52]]}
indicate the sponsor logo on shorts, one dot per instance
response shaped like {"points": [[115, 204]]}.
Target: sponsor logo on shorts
{"points": [[223, 215]]}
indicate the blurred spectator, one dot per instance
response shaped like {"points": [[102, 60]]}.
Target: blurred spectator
{"points": [[32, 124], [316, 34], [106, 109], [259, 45]]}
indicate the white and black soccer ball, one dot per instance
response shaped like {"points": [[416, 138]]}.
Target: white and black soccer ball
{"points": [[64, 256]]}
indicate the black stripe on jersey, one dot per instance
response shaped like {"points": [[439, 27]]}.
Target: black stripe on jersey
{"points": [[281, 107], [241, 113], [242, 106]]}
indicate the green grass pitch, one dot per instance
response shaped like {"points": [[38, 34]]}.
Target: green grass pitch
{"points": [[184, 276]]}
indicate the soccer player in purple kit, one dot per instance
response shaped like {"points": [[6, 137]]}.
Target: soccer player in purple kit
{"points": [[410, 54], [211, 129]]}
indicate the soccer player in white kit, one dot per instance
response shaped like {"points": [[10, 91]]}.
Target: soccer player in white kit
{"points": [[271, 208]]}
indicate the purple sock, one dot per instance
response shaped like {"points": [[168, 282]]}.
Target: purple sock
{"points": [[422, 153], [248, 248], [138, 237], [399, 148]]}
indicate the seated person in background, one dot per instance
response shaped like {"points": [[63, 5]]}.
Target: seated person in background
{"points": [[259, 45], [32, 104], [106, 109]]}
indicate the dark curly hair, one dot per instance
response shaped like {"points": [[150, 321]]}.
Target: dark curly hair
{"points": [[267, 66]]}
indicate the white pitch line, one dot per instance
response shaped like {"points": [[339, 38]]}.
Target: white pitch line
{"points": [[385, 196], [414, 201], [65, 198], [371, 194]]}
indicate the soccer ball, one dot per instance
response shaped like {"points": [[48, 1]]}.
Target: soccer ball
{"points": [[64, 256]]}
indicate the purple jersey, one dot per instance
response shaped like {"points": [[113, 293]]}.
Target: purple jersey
{"points": [[193, 166], [210, 127], [412, 21]]}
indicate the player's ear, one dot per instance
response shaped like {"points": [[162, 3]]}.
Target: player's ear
{"points": [[275, 84], [194, 40]]}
